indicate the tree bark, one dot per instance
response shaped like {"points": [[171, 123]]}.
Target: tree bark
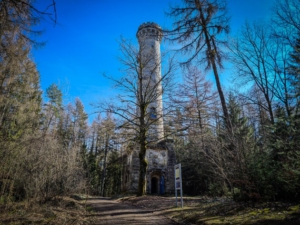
{"points": [[143, 170]]}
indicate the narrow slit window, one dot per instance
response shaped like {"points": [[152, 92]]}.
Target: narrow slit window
{"points": [[153, 115]]}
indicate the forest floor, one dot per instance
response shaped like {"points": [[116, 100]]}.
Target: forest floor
{"points": [[79, 210], [203, 210], [148, 210]]}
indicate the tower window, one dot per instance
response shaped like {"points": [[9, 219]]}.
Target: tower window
{"points": [[153, 115]]}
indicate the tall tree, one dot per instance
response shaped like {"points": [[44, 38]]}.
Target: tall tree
{"points": [[198, 27], [193, 101], [107, 133], [238, 158], [53, 109], [133, 105], [294, 71], [33, 164], [79, 123], [252, 56], [195, 96], [20, 95], [285, 27]]}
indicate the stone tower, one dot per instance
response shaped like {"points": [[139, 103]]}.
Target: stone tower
{"points": [[149, 36], [160, 154]]}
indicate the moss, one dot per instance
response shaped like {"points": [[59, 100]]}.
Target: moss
{"points": [[294, 208], [266, 210], [206, 216], [253, 213]]}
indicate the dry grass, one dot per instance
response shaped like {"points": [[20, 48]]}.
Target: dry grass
{"points": [[196, 210], [202, 210], [63, 210]]}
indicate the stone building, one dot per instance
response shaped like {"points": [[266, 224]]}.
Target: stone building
{"points": [[160, 154]]}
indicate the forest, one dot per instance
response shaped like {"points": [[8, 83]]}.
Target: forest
{"points": [[241, 142]]}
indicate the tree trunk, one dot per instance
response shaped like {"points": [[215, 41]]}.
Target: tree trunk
{"points": [[143, 169], [222, 98], [104, 167], [142, 154], [211, 58]]}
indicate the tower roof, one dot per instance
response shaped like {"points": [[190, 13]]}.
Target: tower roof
{"points": [[149, 29]]}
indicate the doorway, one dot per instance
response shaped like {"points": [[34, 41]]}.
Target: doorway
{"points": [[154, 185]]}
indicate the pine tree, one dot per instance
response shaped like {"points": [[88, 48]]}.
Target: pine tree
{"points": [[79, 122]]}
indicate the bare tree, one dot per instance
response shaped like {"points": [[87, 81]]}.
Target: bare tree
{"points": [[196, 99], [286, 20], [138, 92], [198, 27], [286, 29], [253, 59]]}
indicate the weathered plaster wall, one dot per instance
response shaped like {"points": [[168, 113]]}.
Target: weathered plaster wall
{"points": [[161, 161]]}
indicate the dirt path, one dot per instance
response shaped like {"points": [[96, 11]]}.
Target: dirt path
{"points": [[107, 211]]}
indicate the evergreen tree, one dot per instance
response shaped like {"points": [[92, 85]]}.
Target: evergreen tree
{"points": [[54, 95], [285, 155], [20, 95], [79, 122], [294, 70], [239, 155]]}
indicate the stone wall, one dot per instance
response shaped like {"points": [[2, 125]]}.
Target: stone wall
{"points": [[161, 162]]}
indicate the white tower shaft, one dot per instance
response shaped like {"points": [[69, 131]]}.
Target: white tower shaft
{"points": [[149, 36]]}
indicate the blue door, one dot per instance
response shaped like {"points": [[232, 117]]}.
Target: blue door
{"points": [[162, 185]]}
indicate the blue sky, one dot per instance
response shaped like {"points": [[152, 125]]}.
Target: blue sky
{"points": [[83, 43]]}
